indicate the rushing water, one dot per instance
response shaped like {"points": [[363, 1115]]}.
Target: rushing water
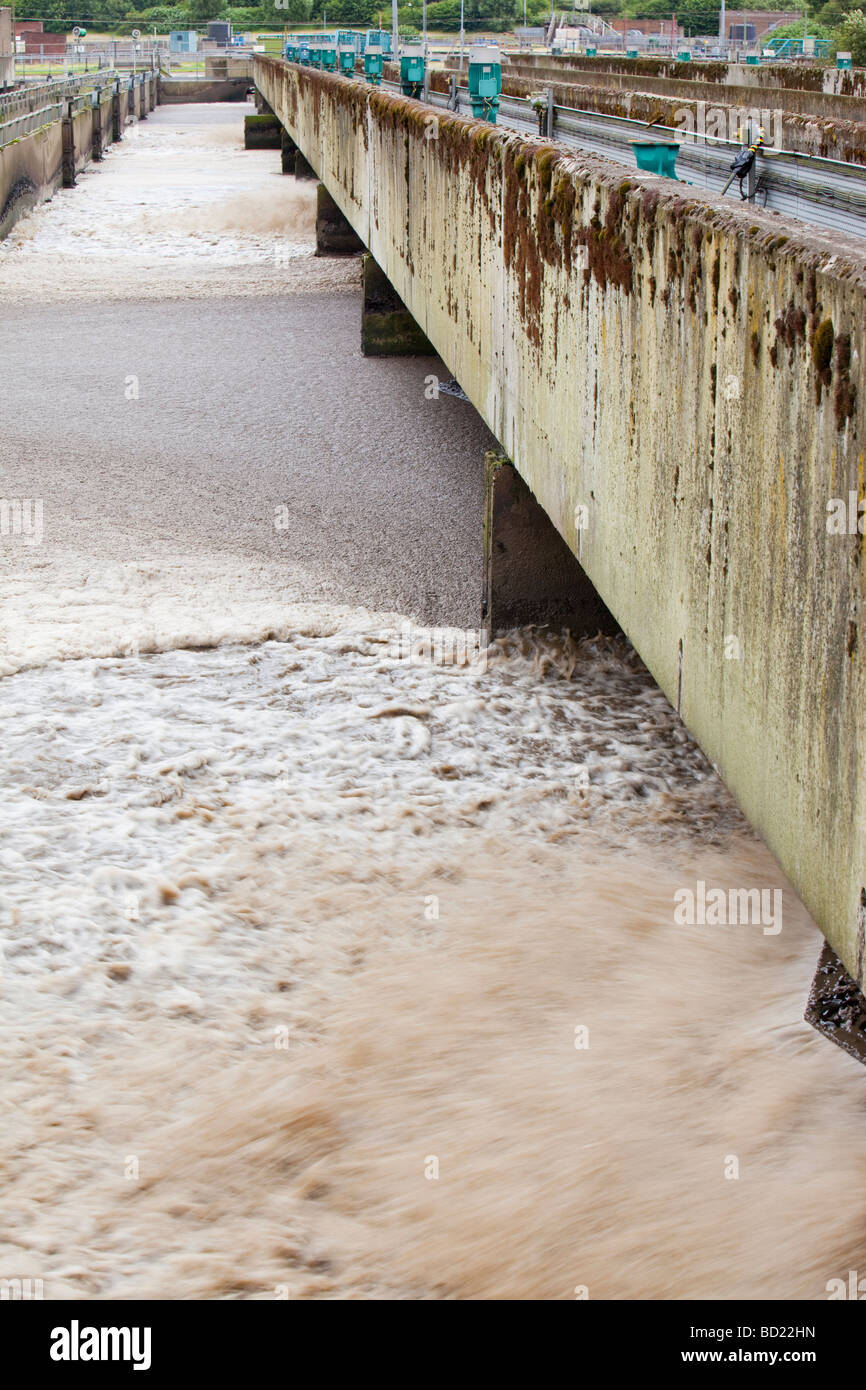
{"points": [[333, 969]]}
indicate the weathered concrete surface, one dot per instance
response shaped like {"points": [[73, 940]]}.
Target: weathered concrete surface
{"points": [[530, 575], [303, 168], [262, 133], [221, 65], [800, 77], [177, 89], [288, 152], [334, 235], [687, 377], [683, 82], [388, 329], [30, 170]]}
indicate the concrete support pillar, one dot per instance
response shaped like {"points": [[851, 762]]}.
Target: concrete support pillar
{"points": [[96, 141], [334, 235], [303, 169], [288, 151], [262, 133], [387, 327], [116, 123], [67, 133], [144, 96], [530, 575], [263, 108]]}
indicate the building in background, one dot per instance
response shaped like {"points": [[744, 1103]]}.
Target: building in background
{"points": [[750, 26], [183, 41], [664, 29], [37, 43]]}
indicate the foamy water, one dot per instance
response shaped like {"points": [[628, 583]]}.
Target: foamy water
{"points": [[330, 970], [178, 208]]}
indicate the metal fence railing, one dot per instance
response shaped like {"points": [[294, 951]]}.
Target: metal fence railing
{"points": [[826, 192], [84, 58], [24, 111], [13, 130], [27, 99]]}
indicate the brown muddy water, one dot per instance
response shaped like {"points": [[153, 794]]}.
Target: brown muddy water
{"points": [[330, 970]]}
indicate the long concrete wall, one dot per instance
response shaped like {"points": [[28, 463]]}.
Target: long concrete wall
{"points": [[683, 82], [174, 90], [31, 170], [680, 382], [34, 165], [794, 77]]}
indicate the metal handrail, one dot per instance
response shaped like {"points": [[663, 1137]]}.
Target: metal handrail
{"points": [[72, 96], [826, 192], [30, 98], [13, 130]]}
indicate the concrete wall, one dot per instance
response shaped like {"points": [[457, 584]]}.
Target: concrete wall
{"points": [[688, 373], [229, 65], [801, 77], [82, 127], [695, 82], [178, 89], [32, 167]]}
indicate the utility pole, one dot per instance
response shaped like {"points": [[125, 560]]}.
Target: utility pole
{"points": [[462, 37], [395, 55]]}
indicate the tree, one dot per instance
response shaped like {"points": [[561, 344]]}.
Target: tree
{"points": [[851, 36], [699, 16], [359, 14], [831, 13], [648, 9], [202, 11], [276, 13]]}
